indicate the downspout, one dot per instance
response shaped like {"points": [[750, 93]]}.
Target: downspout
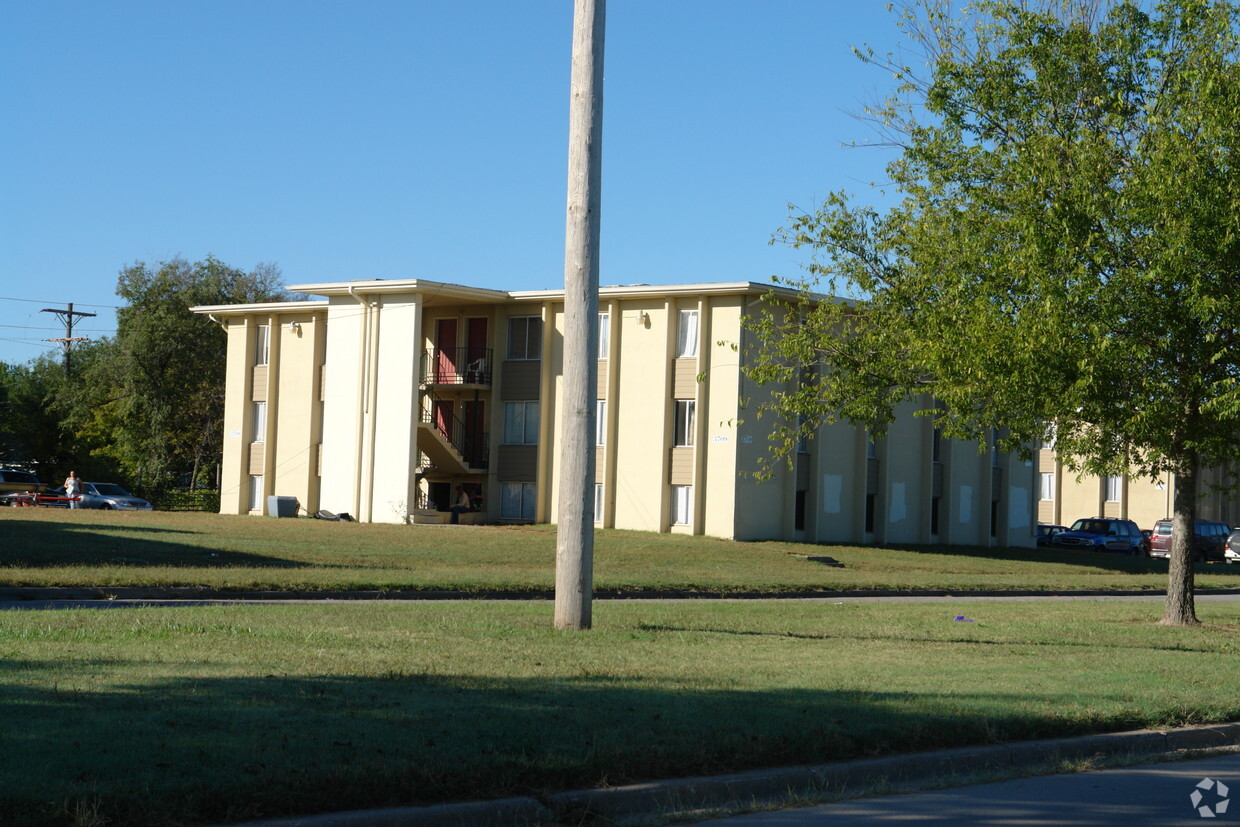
{"points": [[362, 372]]}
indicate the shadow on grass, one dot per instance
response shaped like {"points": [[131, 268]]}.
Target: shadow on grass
{"points": [[1093, 559], [192, 751], [41, 544]]}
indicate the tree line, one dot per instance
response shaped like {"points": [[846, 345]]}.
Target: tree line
{"points": [[144, 407]]}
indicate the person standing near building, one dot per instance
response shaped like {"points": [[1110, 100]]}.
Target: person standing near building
{"points": [[72, 487], [461, 504]]}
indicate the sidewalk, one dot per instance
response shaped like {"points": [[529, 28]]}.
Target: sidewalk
{"points": [[708, 796]]}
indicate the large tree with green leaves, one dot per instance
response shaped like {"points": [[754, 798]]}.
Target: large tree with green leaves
{"points": [[1063, 245], [154, 398]]}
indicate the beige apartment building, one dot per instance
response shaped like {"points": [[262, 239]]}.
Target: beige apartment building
{"points": [[381, 397], [1064, 496]]}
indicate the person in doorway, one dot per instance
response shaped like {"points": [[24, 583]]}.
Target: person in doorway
{"points": [[72, 488], [460, 504]]}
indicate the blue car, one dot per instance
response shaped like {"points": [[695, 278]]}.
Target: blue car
{"points": [[1103, 534], [1046, 533]]}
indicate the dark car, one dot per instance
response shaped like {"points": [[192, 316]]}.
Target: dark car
{"points": [[12, 482], [1047, 532], [1102, 534], [1210, 540]]}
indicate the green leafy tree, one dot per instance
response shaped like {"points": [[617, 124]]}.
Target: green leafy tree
{"points": [[35, 422], [1063, 246], [154, 397]]}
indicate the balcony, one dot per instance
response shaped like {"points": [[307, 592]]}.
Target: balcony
{"points": [[470, 366]]}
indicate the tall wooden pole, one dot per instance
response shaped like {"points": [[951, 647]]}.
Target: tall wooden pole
{"points": [[574, 551]]}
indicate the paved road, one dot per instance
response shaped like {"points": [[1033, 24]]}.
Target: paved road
{"points": [[1230, 597], [1152, 794]]}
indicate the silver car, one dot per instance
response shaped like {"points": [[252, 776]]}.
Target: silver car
{"points": [[109, 495]]}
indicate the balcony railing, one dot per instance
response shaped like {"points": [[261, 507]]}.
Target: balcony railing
{"points": [[470, 441], [457, 366]]}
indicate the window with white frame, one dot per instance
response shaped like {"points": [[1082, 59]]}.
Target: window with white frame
{"points": [[604, 334], [525, 337], [517, 500], [262, 344], [1048, 486], [260, 422], [682, 436], [598, 502], [687, 334], [521, 423], [682, 496], [1114, 484], [256, 493], [600, 422]]}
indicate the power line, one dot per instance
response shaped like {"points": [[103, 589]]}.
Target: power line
{"points": [[37, 301]]}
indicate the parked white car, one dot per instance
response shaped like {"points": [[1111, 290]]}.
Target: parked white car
{"points": [[109, 495]]}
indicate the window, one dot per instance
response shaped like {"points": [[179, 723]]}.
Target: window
{"points": [[525, 337], [600, 422], [682, 496], [1048, 487], [1113, 487], [683, 437], [871, 507], [262, 344], [604, 334], [936, 445], [871, 447], [517, 500], [521, 423], [256, 493], [935, 503], [260, 422], [598, 502], [687, 334], [994, 448]]}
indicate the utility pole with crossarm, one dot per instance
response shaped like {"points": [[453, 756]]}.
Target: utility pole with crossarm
{"points": [[66, 317]]}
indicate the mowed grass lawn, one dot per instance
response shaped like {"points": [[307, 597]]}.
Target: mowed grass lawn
{"points": [[43, 547], [199, 715]]}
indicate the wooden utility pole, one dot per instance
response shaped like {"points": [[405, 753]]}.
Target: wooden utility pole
{"points": [[66, 317], [574, 551]]}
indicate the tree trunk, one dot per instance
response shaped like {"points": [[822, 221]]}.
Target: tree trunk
{"points": [[1179, 609]]}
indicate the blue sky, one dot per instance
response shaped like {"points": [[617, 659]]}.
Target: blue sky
{"points": [[412, 139]]}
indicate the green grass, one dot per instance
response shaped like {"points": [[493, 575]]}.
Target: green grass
{"points": [[215, 714], [62, 548]]}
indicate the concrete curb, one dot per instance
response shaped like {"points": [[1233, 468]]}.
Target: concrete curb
{"points": [[780, 784]]}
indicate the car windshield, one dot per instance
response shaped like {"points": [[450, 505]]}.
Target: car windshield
{"points": [[108, 489], [1092, 526]]}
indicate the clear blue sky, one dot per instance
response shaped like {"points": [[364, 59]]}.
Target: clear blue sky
{"points": [[412, 139]]}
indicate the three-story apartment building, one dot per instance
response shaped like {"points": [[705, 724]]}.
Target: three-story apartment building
{"points": [[382, 397]]}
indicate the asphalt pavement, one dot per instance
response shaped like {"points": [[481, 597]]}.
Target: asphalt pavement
{"points": [[1191, 792]]}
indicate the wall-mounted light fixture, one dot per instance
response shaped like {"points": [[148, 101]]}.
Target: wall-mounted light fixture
{"points": [[643, 318], [294, 327]]}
